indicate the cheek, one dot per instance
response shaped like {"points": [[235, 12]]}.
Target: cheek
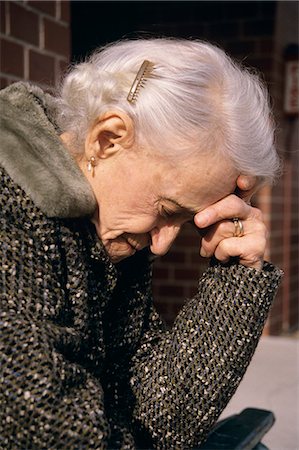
{"points": [[139, 216], [141, 224], [117, 223], [133, 212]]}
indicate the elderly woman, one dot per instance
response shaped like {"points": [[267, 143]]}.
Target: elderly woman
{"points": [[145, 136]]}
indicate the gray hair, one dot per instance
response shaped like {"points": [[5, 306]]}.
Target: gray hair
{"points": [[197, 99]]}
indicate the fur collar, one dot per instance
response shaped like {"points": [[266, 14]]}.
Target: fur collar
{"points": [[34, 156]]}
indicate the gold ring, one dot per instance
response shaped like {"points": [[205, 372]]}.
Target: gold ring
{"points": [[239, 229]]}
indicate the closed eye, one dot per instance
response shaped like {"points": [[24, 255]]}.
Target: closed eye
{"points": [[180, 210], [172, 216], [167, 213]]}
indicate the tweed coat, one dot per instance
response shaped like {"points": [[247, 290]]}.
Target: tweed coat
{"points": [[86, 362]]}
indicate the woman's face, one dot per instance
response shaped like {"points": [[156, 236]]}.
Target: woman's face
{"points": [[144, 200]]}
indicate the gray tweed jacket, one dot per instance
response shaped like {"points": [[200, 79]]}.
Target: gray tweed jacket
{"points": [[86, 362]]}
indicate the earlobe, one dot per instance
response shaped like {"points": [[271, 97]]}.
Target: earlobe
{"points": [[110, 132]]}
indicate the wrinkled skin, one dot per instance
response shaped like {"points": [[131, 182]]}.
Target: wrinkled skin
{"points": [[144, 199]]}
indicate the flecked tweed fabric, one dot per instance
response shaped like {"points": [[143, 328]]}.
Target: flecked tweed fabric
{"points": [[86, 362]]}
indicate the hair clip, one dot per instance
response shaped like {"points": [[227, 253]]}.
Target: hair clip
{"points": [[143, 73]]}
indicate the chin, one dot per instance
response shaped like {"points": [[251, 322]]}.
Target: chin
{"points": [[124, 247], [119, 252], [117, 259]]}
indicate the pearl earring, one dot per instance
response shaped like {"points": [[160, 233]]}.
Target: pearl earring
{"points": [[91, 164]]}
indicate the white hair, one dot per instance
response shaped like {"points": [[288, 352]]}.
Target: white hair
{"points": [[197, 99]]}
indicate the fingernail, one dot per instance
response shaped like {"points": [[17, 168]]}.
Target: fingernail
{"points": [[203, 253]]}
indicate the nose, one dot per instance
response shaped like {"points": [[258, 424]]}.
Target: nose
{"points": [[162, 238]]}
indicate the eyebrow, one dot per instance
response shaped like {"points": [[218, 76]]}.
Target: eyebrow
{"points": [[192, 211]]}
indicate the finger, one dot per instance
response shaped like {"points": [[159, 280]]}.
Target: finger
{"points": [[215, 234], [250, 252], [226, 229], [228, 207]]}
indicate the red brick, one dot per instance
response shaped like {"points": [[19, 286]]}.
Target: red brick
{"points": [[197, 259], [176, 308], [2, 17], [57, 38], [171, 291], [185, 240], [160, 273], [275, 327], [186, 274], [293, 319], [23, 24], [63, 66], [3, 83], [41, 68], [163, 308], [172, 257], [276, 240], [9, 81], [12, 58], [47, 7], [191, 291], [166, 313], [277, 308], [62, 69], [189, 228], [65, 11]]}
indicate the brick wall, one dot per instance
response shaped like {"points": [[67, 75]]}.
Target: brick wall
{"points": [[35, 41], [284, 199]]}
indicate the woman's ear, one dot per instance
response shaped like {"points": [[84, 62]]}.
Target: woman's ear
{"points": [[112, 131]]}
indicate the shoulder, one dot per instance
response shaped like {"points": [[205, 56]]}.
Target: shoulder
{"points": [[19, 215]]}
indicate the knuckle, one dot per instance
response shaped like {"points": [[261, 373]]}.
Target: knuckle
{"points": [[261, 228], [257, 247], [217, 230], [235, 201], [224, 245], [222, 227], [258, 214]]}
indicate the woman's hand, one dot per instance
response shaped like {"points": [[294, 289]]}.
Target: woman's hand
{"points": [[219, 238]]}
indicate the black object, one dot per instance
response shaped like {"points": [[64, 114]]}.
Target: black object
{"points": [[242, 431]]}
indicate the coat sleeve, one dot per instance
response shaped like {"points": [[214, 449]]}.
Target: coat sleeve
{"points": [[183, 378]]}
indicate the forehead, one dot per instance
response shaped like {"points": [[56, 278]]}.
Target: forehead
{"points": [[197, 185]]}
